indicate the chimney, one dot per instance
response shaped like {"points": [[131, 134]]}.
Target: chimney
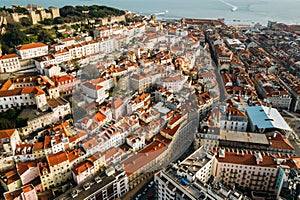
{"points": [[270, 107]]}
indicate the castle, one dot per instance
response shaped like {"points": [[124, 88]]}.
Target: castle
{"points": [[35, 14]]}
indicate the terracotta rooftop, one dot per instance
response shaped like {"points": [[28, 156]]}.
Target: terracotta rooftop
{"points": [[100, 117], [85, 165], [22, 167], [74, 154], [6, 133], [250, 159], [8, 56], [58, 158], [89, 144], [143, 157], [10, 176], [17, 194], [38, 146], [169, 131], [31, 46], [279, 142], [112, 153]]}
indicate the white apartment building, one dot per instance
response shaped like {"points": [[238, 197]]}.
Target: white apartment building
{"points": [[208, 137], [43, 62], [233, 119], [112, 184], [23, 153], [9, 140], [28, 171], [173, 83], [32, 50], [62, 55], [270, 88], [21, 97], [140, 82], [52, 70], [65, 83], [106, 44], [93, 92], [9, 63], [136, 142]]}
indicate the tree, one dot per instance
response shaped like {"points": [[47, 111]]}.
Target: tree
{"points": [[21, 10], [25, 21], [45, 37], [48, 22], [13, 37], [58, 20]]}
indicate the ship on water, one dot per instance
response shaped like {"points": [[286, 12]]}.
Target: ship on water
{"points": [[162, 13]]}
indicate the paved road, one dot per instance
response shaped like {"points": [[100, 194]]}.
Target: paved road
{"points": [[223, 93], [132, 194], [147, 192]]}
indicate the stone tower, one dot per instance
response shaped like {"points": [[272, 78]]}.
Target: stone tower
{"points": [[54, 12], [33, 17]]}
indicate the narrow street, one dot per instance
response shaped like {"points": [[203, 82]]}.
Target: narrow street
{"points": [[222, 89]]}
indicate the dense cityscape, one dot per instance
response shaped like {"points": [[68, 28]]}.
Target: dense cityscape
{"points": [[100, 103]]}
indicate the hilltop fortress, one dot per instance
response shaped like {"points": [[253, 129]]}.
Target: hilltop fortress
{"points": [[35, 14]]}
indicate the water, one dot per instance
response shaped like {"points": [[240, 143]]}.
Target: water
{"points": [[247, 11]]}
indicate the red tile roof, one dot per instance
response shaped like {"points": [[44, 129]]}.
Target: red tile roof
{"points": [[249, 159], [31, 46], [100, 117], [6, 133], [74, 154], [7, 56], [55, 159], [143, 157], [83, 167], [23, 167], [169, 131], [38, 146], [279, 142]]}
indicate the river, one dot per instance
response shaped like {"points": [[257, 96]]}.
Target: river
{"points": [[245, 11]]}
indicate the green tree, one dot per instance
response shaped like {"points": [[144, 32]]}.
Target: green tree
{"points": [[45, 36], [25, 21], [48, 22], [21, 10], [58, 20], [13, 37]]}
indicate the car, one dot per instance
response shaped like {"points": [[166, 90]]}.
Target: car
{"points": [[150, 184], [151, 195], [86, 186], [74, 193], [98, 179]]}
